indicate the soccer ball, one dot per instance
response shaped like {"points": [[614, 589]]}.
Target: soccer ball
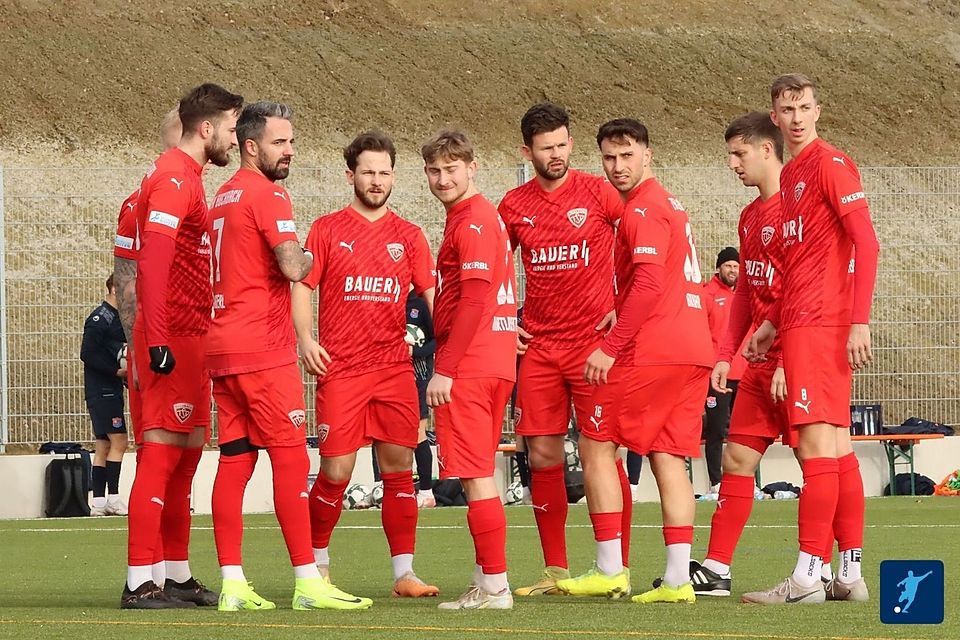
{"points": [[514, 493], [415, 336], [570, 454], [376, 495], [122, 357], [354, 497]]}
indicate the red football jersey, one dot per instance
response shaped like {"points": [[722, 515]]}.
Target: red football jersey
{"points": [[760, 259], [127, 243], [566, 246], [252, 327], [364, 270], [717, 300], [172, 202], [818, 188], [475, 245], [655, 229]]}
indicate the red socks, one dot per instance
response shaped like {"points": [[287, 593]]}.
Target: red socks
{"points": [[147, 498], [488, 526], [233, 474], [290, 500], [326, 505], [677, 535], [848, 519], [399, 512], [175, 523], [626, 516], [548, 490], [733, 510], [606, 526], [818, 504]]}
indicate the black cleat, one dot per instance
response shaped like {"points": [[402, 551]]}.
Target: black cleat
{"points": [[191, 591], [150, 596], [705, 582]]}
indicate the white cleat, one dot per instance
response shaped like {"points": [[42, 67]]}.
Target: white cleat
{"points": [[115, 507], [476, 598], [787, 592]]}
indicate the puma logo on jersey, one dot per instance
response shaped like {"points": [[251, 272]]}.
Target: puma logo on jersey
{"points": [[805, 407], [348, 247], [529, 220], [596, 423], [329, 503], [839, 159], [280, 195], [176, 182], [642, 212], [477, 227]]}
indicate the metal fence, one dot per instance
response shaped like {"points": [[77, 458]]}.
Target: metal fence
{"points": [[57, 227]]}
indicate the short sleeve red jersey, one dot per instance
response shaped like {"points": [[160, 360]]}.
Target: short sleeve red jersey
{"points": [[655, 229], [252, 327], [566, 245], [818, 188], [363, 271], [476, 246], [172, 202], [760, 258], [127, 242], [718, 299]]}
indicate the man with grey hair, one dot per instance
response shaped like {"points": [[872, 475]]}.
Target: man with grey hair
{"points": [[252, 358]]}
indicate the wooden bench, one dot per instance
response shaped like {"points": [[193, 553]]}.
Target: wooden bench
{"points": [[899, 450]]}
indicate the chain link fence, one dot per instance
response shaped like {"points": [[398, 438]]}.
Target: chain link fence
{"points": [[57, 227]]}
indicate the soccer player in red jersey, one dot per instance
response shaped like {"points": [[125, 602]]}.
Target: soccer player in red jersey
{"points": [[563, 222], [717, 297], [650, 371], [252, 358], [174, 301], [822, 318], [755, 153], [366, 258], [475, 369]]}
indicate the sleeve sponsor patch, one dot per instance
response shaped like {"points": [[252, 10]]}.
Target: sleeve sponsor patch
{"points": [[123, 242], [286, 226], [166, 219]]}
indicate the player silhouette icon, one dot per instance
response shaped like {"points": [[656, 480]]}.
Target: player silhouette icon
{"points": [[909, 585]]}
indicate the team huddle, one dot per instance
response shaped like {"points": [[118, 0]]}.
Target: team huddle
{"points": [[614, 334]]}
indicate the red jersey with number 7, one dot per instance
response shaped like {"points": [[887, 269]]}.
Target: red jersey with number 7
{"points": [[252, 327], [475, 246], [655, 229], [363, 271]]}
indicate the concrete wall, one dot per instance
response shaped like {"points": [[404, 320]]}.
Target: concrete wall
{"points": [[22, 476]]}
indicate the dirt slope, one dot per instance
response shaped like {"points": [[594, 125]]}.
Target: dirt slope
{"points": [[93, 78]]}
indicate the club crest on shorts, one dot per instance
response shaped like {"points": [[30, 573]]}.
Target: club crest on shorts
{"points": [[577, 216], [798, 190], [711, 402], [183, 411], [766, 235], [395, 249], [517, 412], [323, 430], [297, 417]]}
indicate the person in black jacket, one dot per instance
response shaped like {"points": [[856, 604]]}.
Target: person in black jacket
{"points": [[104, 370], [418, 316]]}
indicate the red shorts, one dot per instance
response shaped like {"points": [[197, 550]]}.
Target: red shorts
{"points": [[819, 379], [133, 401], [381, 405], [178, 401], [469, 427], [265, 407], [548, 380], [652, 408], [755, 414]]}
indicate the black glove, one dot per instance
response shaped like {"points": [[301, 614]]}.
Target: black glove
{"points": [[161, 360]]}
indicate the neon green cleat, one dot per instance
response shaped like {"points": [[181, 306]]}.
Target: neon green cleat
{"points": [[663, 593], [238, 595], [318, 593], [546, 585], [597, 583]]}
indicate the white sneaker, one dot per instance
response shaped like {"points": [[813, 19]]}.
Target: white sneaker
{"points": [[98, 511], [635, 492], [787, 592], [115, 507], [426, 500], [477, 598]]}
